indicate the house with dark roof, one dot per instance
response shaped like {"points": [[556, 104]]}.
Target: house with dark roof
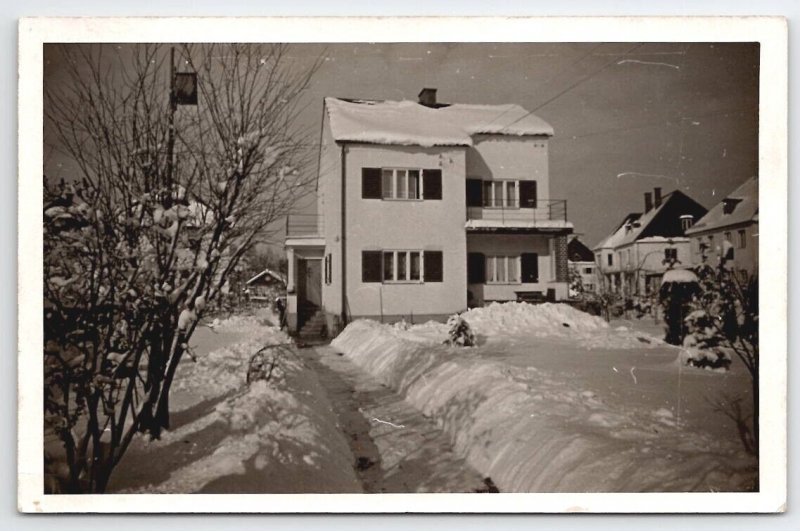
{"points": [[425, 208], [581, 263], [730, 230], [634, 257]]}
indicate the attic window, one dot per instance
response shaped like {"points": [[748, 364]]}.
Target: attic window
{"points": [[687, 220], [729, 204]]}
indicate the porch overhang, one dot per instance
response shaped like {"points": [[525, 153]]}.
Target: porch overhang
{"points": [[490, 226], [307, 242]]}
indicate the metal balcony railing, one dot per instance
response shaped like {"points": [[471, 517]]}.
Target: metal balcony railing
{"points": [[510, 212], [304, 226]]}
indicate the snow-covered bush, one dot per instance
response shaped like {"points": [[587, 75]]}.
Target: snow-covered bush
{"points": [[141, 241], [459, 332]]}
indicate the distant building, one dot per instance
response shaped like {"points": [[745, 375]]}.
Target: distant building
{"points": [[265, 286], [633, 258], [581, 261], [730, 228]]}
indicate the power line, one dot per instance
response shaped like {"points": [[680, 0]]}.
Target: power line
{"points": [[574, 85]]}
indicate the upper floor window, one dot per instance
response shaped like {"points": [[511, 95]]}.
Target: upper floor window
{"points": [[610, 259], [501, 193], [401, 183], [670, 254], [742, 239]]}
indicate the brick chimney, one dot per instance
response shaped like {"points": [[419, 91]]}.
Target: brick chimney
{"points": [[657, 197], [427, 97], [648, 202]]}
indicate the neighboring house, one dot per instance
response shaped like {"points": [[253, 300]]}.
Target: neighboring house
{"points": [[633, 258], [265, 286], [730, 228], [425, 209], [581, 261]]}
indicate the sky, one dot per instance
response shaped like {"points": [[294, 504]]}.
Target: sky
{"points": [[627, 116]]}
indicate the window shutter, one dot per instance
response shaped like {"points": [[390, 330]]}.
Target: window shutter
{"points": [[474, 193], [371, 266], [433, 266], [476, 268], [371, 183], [530, 267], [432, 184], [527, 194]]}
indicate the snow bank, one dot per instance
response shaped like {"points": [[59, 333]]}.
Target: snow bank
{"points": [[516, 321], [531, 432], [272, 436]]}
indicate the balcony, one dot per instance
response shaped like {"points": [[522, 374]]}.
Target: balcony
{"points": [[550, 215], [304, 230]]}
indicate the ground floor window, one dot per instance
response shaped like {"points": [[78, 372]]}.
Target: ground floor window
{"points": [[401, 266], [502, 269]]}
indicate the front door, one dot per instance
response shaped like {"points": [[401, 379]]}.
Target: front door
{"points": [[309, 288]]}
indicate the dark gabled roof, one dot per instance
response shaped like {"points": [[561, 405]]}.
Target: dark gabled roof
{"points": [[578, 252]]}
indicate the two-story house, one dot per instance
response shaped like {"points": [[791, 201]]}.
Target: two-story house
{"points": [[424, 209], [633, 258], [730, 229]]}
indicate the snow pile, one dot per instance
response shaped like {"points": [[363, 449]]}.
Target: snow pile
{"points": [[275, 435], [515, 321], [531, 432], [245, 322]]}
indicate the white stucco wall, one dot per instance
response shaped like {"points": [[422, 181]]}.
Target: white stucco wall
{"points": [[496, 157], [376, 224], [743, 258]]}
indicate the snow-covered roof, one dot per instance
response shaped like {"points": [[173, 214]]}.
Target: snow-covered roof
{"points": [[682, 276], [268, 272], [409, 123], [742, 207], [615, 238]]}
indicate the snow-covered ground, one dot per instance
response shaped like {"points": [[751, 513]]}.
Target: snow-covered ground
{"points": [[270, 436], [555, 400]]}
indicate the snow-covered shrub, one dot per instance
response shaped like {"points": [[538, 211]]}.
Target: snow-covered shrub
{"points": [[459, 332]]}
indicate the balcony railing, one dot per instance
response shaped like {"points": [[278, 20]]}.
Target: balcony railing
{"points": [[510, 213], [304, 226]]}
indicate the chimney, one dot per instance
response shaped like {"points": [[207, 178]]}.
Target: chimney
{"points": [[648, 202], [657, 197], [427, 97]]}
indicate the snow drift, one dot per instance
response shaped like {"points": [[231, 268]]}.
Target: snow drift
{"points": [[529, 431]]}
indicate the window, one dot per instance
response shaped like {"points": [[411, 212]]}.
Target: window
{"points": [[328, 269], [670, 254], [400, 266], [401, 183], [742, 239], [687, 221], [587, 270], [433, 266], [728, 236], [502, 269], [500, 194], [610, 259]]}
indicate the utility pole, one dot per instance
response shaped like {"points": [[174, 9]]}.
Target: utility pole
{"points": [[173, 105]]}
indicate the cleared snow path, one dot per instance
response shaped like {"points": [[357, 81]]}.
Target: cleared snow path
{"points": [[396, 448]]}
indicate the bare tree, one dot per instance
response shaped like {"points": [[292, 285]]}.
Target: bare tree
{"points": [[166, 203]]}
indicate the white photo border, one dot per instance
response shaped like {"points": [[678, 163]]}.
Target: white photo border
{"points": [[770, 32]]}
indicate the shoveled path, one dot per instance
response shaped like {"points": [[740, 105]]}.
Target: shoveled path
{"points": [[396, 448]]}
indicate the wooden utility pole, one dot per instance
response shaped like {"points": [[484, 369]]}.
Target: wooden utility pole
{"points": [[173, 105]]}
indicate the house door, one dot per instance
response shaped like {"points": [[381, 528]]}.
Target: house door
{"points": [[309, 288]]}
